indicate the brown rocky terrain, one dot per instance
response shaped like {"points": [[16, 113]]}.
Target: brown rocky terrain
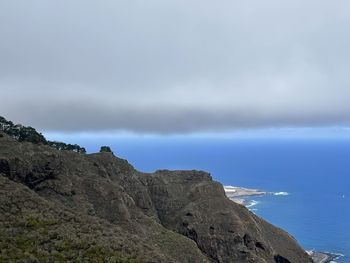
{"points": [[64, 206]]}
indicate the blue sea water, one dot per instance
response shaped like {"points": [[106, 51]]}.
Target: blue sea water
{"points": [[315, 173]]}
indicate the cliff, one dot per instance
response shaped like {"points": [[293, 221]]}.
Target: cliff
{"points": [[61, 206]]}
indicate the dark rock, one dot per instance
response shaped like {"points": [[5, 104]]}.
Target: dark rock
{"points": [[5, 167], [280, 259]]}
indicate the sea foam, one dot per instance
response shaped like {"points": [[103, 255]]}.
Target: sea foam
{"points": [[281, 193], [252, 203]]}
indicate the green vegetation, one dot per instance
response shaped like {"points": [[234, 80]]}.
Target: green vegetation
{"points": [[36, 240], [66, 147], [34, 222], [20, 247], [105, 149], [21, 133], [29, 134]]}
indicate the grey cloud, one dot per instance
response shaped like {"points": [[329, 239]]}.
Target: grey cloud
{"points": [[174, 66]]}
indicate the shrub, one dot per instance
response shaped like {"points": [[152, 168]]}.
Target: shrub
{"points": [[105, 149], [29, 134]]}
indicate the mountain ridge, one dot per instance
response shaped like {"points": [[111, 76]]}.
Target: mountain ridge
{"points": [[59, 205]]}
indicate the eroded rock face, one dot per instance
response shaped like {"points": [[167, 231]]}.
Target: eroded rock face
{"points": [[166, 216], [190, 203]]}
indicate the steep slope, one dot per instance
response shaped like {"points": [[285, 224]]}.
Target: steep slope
{"points": [[66, 206]]}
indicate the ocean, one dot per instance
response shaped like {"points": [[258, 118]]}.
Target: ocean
{"points": [[315, 173]]}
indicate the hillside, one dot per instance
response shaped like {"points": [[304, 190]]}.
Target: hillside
{"points": [[66, 206]]}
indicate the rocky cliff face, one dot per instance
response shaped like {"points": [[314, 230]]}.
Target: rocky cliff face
{"points": [[65, 206]]}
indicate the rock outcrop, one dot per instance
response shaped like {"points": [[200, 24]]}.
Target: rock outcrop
{"points": [[61, 206]]}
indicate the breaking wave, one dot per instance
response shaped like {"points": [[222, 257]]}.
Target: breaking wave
{"points": [[281, 193]]}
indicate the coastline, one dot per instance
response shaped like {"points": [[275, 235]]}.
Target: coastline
{"points": [[240, 194], [323, 257]]}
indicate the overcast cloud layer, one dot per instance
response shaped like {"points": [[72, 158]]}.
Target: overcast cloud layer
{"points": [[175, 66]]}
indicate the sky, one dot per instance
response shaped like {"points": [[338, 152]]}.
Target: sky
{"points": [[175, 67]]}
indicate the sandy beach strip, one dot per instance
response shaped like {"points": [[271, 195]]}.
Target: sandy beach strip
{"points": [[238, 194]]}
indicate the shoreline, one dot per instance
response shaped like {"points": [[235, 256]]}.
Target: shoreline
{"points": [[239, 195], [323, 257]]}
